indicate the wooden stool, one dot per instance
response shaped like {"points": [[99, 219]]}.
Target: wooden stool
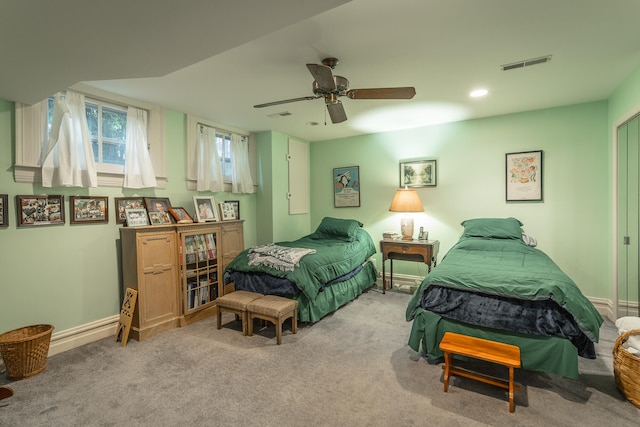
{"points": [[276, 310], [477, 348], [236, 302]]}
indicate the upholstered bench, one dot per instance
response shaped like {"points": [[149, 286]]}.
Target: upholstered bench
{"points": [[274, 309], [477, 348], [236, 302]]}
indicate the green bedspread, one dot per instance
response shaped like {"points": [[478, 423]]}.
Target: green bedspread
{"points": [[333, 258], [508, 267]]}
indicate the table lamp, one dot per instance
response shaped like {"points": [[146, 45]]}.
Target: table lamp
{"points": [[406, 201]]}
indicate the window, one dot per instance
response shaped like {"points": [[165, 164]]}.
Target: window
{"points": [[108, 128], [107, 120], [223, 142]]}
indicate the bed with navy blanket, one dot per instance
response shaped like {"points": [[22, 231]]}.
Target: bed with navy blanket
{"points": [[322, 271], [493, 285]]}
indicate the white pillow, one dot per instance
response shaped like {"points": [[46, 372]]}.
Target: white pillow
{"points": [[629, 323]]}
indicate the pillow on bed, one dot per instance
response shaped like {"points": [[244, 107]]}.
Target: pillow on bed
{"points": [[494, 228], [336, 228]]}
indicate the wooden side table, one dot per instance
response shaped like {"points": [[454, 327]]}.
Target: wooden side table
{"points": [[425, 251]]}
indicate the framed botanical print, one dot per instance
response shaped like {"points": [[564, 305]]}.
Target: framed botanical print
{"points": [[40, 210], [89, 209]]}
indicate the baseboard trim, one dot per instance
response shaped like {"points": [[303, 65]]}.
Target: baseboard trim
{"points": [[84, 334]]}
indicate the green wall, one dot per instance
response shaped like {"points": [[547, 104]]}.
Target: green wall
{"points": [[69, 275], [471, 183]]}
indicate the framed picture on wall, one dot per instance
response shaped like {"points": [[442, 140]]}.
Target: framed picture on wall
{"points": [[86, 210], [418, 173], [346, 187], [40, 210], [4, 210], [124, 203], [206, 209], [523, 176]]}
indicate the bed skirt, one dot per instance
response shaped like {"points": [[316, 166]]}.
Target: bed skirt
{"points": [[538, 353]]}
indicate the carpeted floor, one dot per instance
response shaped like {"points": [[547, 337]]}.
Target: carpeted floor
{"points": [[351, 368]]}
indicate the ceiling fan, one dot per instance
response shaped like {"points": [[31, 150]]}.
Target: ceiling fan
{"points": [[331, 87]]}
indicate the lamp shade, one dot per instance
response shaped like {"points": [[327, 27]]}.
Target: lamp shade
{"points": [[406, 200]]}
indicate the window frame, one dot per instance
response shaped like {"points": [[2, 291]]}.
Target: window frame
{"points": [[31, 130]]}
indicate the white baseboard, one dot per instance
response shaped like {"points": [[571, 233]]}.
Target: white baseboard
{"points": [[84, 334]]}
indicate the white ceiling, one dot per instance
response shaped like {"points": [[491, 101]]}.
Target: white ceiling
{"points": [[216, 59]]}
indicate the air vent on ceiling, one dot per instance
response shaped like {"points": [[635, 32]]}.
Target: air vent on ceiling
{"points": [[526, 63], [280, 114]]}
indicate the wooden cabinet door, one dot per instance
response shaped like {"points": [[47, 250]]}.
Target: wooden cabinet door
{"points": [[232, 242], [157, 293]]}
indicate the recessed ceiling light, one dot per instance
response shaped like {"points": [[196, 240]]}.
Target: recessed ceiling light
{"points": [[478, 93]]}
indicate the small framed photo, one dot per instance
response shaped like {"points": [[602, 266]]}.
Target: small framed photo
{"points": [[88, 209], [136, 217], [226, 211], [160, 218], [124, 203], [524, 176], [206, 210], [157, 204], [236, 206], [418, 173], [181, 215], [4, 210], [40, 210]]}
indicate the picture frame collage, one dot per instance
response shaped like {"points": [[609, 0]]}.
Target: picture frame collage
{"points": [[47, 209]]}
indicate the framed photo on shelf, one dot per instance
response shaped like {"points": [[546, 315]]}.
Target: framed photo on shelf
{"points": [[136, 217], [523, 176], [4, 210], [226, 211], [124, 203], [236, 207], [180, 215], [157, 204], [40, 210], [206, 210], [346, 187], [418, 173], [89, 209], [160, 218]]}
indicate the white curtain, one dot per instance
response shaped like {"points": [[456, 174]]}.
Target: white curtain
{"points": [[209, 167], [138, 169], [241, 181], [67, 158]]}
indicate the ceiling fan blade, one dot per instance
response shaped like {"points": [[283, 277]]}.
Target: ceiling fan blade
{"points": [[336, 112], [382, 93], [286, 101], [323, 76]]}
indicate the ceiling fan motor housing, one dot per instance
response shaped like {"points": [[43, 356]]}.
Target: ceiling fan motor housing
{"points": [[342, 85]]}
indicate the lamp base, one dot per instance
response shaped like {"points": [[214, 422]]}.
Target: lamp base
{"points": [[406, 228]]}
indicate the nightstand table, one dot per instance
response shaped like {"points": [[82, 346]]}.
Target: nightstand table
{"points": [[425, 251]]}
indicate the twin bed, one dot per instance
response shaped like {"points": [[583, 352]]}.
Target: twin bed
{"points": [[322, 271], [493, 285]]}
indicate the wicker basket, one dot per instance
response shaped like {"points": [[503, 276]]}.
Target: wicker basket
{"points": [[626, 369], [25, 350]]}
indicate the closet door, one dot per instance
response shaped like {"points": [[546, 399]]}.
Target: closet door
{"points": [[628, 218]]}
